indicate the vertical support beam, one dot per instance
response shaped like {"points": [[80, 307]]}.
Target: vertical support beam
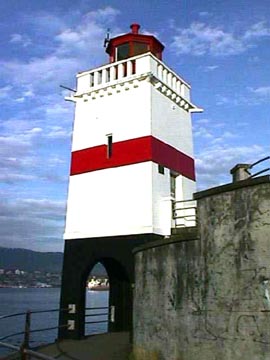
{"points": [[26, 340]]}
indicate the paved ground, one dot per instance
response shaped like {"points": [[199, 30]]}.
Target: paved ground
{"points": [[110, 346]]}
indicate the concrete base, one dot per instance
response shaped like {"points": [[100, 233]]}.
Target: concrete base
{"points": [[97, 347], [80, 256]]}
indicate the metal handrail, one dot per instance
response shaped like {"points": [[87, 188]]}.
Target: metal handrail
{"points": [[183, 210], [97, 314], [24, 348], [96, 322], [35, 354], [30, 312], [97, 308], [10, 335], [184, 201], [11, 315]]}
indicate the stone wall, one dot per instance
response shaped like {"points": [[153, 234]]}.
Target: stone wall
{"points": [[209, 298]]}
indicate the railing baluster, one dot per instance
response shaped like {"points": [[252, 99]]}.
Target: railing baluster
{"points": [[104, 77], [25, 344], [160, 72], [129, 68], [120, 71]]}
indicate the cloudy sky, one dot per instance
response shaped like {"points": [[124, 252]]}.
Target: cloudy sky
{"points": [[220, 47]]}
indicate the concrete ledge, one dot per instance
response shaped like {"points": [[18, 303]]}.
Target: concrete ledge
{"points": [[178, 235], [231, 187]]}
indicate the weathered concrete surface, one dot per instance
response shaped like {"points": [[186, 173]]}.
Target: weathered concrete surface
{"points": [[110, 346], [235, 236], [166, 283], [209, 299]]}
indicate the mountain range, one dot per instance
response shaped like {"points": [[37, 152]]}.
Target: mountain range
{"points": [[29, 260]]}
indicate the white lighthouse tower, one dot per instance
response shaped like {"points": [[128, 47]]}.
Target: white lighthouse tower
{"points": [[132, 158], [132, 150]]}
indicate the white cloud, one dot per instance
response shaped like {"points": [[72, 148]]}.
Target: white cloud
{"points": [[66, 45], [5, 92], [214, 162], [257, 30], [211, 68], [204, 14], [31, 223], [262, 92], [221, 100], [201, 38], [56, 132], [202, 132], [203, 121], [74, 49], [9, 178], [88, 35], [23, 40], [249, 97]]}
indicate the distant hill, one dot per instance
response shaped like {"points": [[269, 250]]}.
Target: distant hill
{"points": [[29, 260]]}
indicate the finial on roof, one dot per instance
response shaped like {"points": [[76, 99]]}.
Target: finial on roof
{"points": [[135, 28]]}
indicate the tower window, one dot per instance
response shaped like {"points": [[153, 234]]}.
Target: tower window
{"points": [[173, 184], [109, 145], [161, 169], [122, 51], [139, 48]]}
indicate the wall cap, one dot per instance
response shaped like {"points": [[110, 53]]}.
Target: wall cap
{"points": [[232, 186], [178, 235]]}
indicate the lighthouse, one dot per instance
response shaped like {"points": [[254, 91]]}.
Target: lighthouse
{"points": [[132, 158]]}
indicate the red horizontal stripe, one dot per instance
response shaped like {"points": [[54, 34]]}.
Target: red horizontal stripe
{"points": [[172, 159], [129, 152]]}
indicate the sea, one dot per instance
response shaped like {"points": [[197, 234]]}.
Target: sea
{"points": [[20, 300]]}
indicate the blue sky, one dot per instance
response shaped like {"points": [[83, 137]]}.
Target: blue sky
{"points": [[220, 47]]}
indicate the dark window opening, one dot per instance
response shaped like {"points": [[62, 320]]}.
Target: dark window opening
{"points": [[173, 184], [139, 48], [161, 169], [109, 145], [122, 52]]}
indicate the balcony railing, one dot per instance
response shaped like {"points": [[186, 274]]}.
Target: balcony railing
{"points": [[136, 66], [184, 213]]}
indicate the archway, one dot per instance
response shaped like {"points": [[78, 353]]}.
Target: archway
{"points": [[80, 256], [118, 299], [97, 301]]}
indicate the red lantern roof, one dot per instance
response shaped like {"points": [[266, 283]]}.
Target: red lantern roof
{"points": [[132, 44]]}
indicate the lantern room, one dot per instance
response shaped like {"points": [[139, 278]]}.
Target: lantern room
{"points": [[133, 44]]}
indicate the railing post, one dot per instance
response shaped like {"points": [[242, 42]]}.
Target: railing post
{"points": [[25, 344]]}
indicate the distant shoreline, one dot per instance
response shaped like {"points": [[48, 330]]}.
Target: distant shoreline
{"points": [[28, 287]]}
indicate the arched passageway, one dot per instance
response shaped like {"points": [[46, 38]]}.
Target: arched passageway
{"points": [[80, 256], [97, 301], [118, 299]]}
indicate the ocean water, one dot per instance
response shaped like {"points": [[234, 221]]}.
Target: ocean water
{"points": [[20, 300]]}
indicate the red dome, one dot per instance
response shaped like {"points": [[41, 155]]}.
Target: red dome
{"points": [[132, 44]]}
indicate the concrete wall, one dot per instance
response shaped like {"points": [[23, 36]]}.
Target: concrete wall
{"points": [[209, 299]]}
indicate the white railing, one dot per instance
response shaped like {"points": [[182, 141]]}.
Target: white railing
{"points": [[184, 213], [136, 66]]}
